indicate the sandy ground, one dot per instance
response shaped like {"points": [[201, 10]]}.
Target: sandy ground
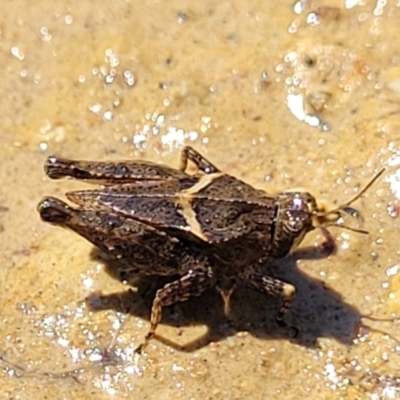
{"points": [[281, 94]]}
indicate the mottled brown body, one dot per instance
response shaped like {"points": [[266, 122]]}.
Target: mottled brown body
{"points": [[210, 228]]}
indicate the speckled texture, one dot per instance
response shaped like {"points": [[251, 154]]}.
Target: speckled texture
{"points": [[282, 95]]}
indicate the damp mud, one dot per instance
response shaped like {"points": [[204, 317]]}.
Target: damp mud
{"points": [[282, 95]]}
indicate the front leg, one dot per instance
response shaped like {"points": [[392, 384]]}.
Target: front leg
{"points": [[272, 286], [326, 247], [328, 242], [194, 283], [188, 153]]}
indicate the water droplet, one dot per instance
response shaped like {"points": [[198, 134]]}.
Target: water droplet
{"points": [[298, 7], [160, 119], [46, 36], [68, 19], [293, 26], [87, 282], [113, 60], [95, 108], [36, 79], [139, 139], [392, 271], [129, 78], [192, 135], [17, 53], [103, 70], [313, 19], [205, 119], [374, 255], [109, 78], [43, 146], [108, 115], [182, 17], [393, 210]]}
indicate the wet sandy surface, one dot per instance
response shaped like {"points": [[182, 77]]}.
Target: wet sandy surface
{"points": [[282, 95]]}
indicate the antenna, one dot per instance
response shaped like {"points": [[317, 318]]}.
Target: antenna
{"points": [[324, 215]]}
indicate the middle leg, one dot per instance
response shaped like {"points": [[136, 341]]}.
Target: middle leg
{"points": [[272, 286]]}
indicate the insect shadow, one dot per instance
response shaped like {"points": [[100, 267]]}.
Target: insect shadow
{"points": [[318, 311]]}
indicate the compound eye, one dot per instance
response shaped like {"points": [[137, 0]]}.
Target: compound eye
{"points": [[298, 204]]}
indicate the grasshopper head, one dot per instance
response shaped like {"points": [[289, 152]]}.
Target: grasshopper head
{"points": [[294, 217], [297, 213]]}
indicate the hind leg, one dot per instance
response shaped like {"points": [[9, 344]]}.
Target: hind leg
{"points": [[190, 154]]}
